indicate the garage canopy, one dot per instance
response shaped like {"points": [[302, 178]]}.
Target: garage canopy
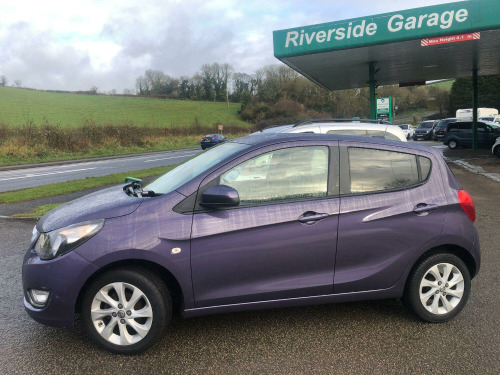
{"points": [[409, 46]]}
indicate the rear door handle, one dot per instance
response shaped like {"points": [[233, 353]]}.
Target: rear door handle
{"points": [[311, 217], [424, 208]]}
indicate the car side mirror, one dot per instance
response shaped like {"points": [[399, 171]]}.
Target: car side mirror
{"points": [[220, 196]]}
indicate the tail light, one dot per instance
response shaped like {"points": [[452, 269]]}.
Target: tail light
{"points": [[467, 204], [214, 137]]}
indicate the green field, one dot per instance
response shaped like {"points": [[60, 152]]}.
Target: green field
{"points": [[445, 85], [17, 106]]}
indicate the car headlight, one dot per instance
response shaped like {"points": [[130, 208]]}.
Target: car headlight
{"points": [[60, 241], [34, 235]]}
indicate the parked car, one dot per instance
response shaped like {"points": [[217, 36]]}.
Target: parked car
{"points": [[357, 127], [212, 140], [424, 130], [407, 130], [495, 118], [439, 131], [495, 149], [459, 134], [264, 221]]}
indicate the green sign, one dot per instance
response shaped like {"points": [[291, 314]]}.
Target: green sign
{"points": [[437, 20], [384, 109]]}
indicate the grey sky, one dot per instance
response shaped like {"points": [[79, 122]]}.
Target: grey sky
{"points": [[72, 45]]}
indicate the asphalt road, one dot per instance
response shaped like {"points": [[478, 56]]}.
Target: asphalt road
{"points": [[378, 337], [30, 177]]}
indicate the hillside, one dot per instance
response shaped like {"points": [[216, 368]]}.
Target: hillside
{"points": [[19, 105]]}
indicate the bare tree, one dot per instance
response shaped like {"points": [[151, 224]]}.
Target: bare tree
{"points": [[18, 83], [93, 90], [3, 81]]}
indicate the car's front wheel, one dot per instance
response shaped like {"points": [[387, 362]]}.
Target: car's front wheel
{"points": [[438, 288], [125, 311], [452, 144], [496, 151]]}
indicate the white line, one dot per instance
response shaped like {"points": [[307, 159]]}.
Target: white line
{"points": [[172, 157], [44, 174]]}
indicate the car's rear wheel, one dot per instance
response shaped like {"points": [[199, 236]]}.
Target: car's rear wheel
{"points": [[125, 311], [453, 144], [438, 288]]}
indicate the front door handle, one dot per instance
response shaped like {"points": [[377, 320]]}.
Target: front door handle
{"points": [[422, 208], [311, 217]]}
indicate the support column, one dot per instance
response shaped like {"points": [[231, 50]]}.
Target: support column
{"points": [[474, 108], [373, 83]]}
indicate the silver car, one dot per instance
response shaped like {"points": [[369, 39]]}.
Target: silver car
{"points": [[362, 128]]}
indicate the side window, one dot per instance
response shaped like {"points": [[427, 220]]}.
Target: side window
{"points": [[377, 170], [425, 167], [357, 132], [376, 133], [283, 175], [391, 137]]}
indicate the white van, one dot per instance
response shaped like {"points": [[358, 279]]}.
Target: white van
{"points": [[466, 114]]}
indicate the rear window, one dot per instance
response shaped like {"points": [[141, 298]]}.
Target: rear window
{"points": [[378, 170]]}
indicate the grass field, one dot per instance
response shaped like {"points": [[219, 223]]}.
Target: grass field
{"points": [[17, 106], [60, 188], [445, 85]]}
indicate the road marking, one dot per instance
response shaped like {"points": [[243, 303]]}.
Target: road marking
{"points": [[44, 174], [476, 169], [172, 157]]}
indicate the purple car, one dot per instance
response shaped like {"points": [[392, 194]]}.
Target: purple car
{"points": [[264, 221]]}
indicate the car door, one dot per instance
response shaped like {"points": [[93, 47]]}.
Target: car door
{"points": [[280, 242], [482, 134], [465, 134], [390, 209]]}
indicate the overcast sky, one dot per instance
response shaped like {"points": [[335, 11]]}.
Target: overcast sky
{"points": [[72, 45]]}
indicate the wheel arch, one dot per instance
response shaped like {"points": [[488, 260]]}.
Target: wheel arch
{"points": [[456, 250], [165, 275]]}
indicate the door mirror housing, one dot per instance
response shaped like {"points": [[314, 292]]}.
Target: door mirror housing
{"points": [[220, 196]]}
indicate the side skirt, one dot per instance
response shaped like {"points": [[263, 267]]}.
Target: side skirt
{"points": [[394, 292]]}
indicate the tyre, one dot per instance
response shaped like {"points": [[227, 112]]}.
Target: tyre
{"points": [[126, 311], [438, 288], [453, 144], [496, 151]]}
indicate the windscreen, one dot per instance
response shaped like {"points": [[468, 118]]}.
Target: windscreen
{"points": [[194, 167], [425, 125]]}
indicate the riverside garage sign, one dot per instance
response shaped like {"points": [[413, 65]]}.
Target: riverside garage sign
{"points": [[436, 20], [395, 24]]}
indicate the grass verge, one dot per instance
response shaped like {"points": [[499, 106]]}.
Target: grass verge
{"points": [[77, 185], [39, 211]]}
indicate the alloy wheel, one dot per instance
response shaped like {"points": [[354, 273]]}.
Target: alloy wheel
{"points": [[441, 289], [121, 313]]}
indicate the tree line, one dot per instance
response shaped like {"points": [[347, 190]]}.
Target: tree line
{"points": [[278, 93]]}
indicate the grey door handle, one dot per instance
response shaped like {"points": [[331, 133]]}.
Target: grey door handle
{"points": [[311, 217], [424, 208]]}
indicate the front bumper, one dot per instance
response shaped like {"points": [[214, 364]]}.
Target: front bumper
{"points": [[64, 276], [422, 136]]}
